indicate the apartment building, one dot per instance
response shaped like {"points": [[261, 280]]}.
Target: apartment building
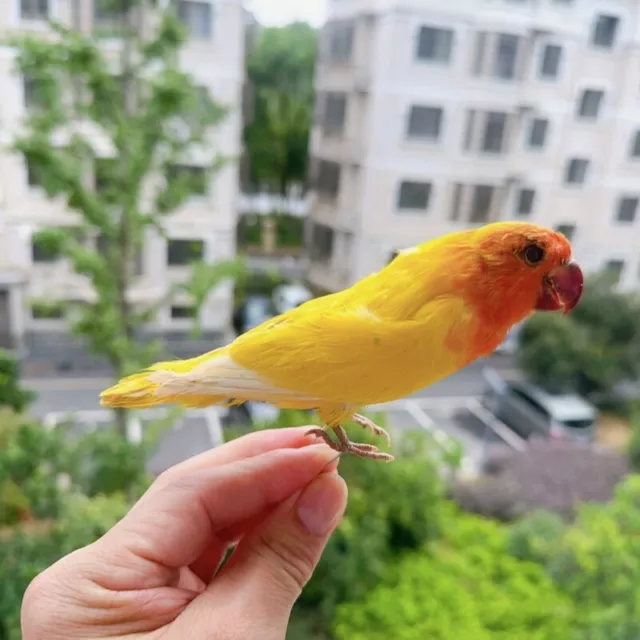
{"points": [[436, 116], [204, 227]]}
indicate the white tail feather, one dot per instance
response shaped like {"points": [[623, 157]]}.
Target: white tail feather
{"points": [[221, 376]]}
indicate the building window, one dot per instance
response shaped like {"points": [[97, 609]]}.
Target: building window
{"points": [[424, 123], [195, 178], [33, 93], [481, 201], [328, 180], [576, 171], [604, 31], [538, 133], [106, 15], [197, 17], [526, 199], [334, 113], [635, 145], [34, 9], [480, 49], [322, 238], [183, 252], [506, 56], [494, 132], [340, 41], [435, 44], [34, 178], [414, 195], [550, 63], [590, 104], [567, 230], [614, 269], [627, 207], [180, 312]]}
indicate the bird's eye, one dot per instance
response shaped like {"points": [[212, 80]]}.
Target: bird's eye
{"points": [[533, 254]]}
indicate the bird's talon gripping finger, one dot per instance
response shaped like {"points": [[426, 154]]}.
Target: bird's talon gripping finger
{"points": [[365, 423], [321, 433], [344, 445]]}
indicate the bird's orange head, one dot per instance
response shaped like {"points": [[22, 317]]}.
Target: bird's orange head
{"points": [[526, 266]]}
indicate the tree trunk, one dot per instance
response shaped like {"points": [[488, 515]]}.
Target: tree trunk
{"points": [[121, 422], [132, 18]]}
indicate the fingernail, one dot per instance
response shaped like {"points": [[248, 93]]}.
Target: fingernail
{"points": [[322, 503]]}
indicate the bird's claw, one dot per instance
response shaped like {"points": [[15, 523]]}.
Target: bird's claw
{"points": [[365, 423], [344, 445]]}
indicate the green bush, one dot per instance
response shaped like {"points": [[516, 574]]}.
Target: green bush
{"points": [[536, 537], [12, 395], [27, 550], [39, 466], [463, 587], [249, 230], [289, 230]]}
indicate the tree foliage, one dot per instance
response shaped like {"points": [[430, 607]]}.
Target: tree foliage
{"points": [[28, 549], [590, 351], [463, 587], [109, 144], [12, 394], [595, 562], [281, 71], [58, 492]]}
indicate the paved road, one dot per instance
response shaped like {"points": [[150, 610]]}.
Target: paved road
{"points": [[82, 394], [435, 410]]}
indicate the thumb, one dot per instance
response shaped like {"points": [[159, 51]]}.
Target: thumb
{"points": [[272, 564]]}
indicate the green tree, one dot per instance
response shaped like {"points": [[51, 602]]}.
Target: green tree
{"points": [[58, 492], [39, 467], [12, 395], [29, 549], [595, 561], [149, 115], [464, 586], [591, 350], [281, 72]]}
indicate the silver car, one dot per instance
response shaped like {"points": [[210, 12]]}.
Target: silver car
{"points": [[531, 411]]}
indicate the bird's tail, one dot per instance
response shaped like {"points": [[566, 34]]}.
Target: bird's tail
{"points": [[161, 383]]}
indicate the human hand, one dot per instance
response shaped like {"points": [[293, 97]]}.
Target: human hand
{"points": [[155, 573]]}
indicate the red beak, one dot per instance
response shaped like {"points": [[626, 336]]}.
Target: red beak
{"points": [[561, 288]]}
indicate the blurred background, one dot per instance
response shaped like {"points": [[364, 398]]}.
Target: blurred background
{"points": [[173, 173]]}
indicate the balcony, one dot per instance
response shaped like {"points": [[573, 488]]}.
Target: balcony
{"points": [[339, 148]]}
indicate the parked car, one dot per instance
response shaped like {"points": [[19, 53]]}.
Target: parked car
{"points": [[290, 296], [532, 411]]}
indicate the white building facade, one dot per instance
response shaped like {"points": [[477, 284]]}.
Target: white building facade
{"points": [[206, 224], [436, 116]]}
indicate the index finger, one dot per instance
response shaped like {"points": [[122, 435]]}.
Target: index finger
{"points": [[247, 446], [176, 525]]}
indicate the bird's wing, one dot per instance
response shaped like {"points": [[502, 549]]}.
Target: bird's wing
{"points": [[350, 355]]}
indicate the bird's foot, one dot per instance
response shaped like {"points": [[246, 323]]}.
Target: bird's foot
{"points": [[365, 423], [344, 445]]}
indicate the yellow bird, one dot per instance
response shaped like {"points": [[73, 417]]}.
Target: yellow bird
{"points": [[434, 309]]}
